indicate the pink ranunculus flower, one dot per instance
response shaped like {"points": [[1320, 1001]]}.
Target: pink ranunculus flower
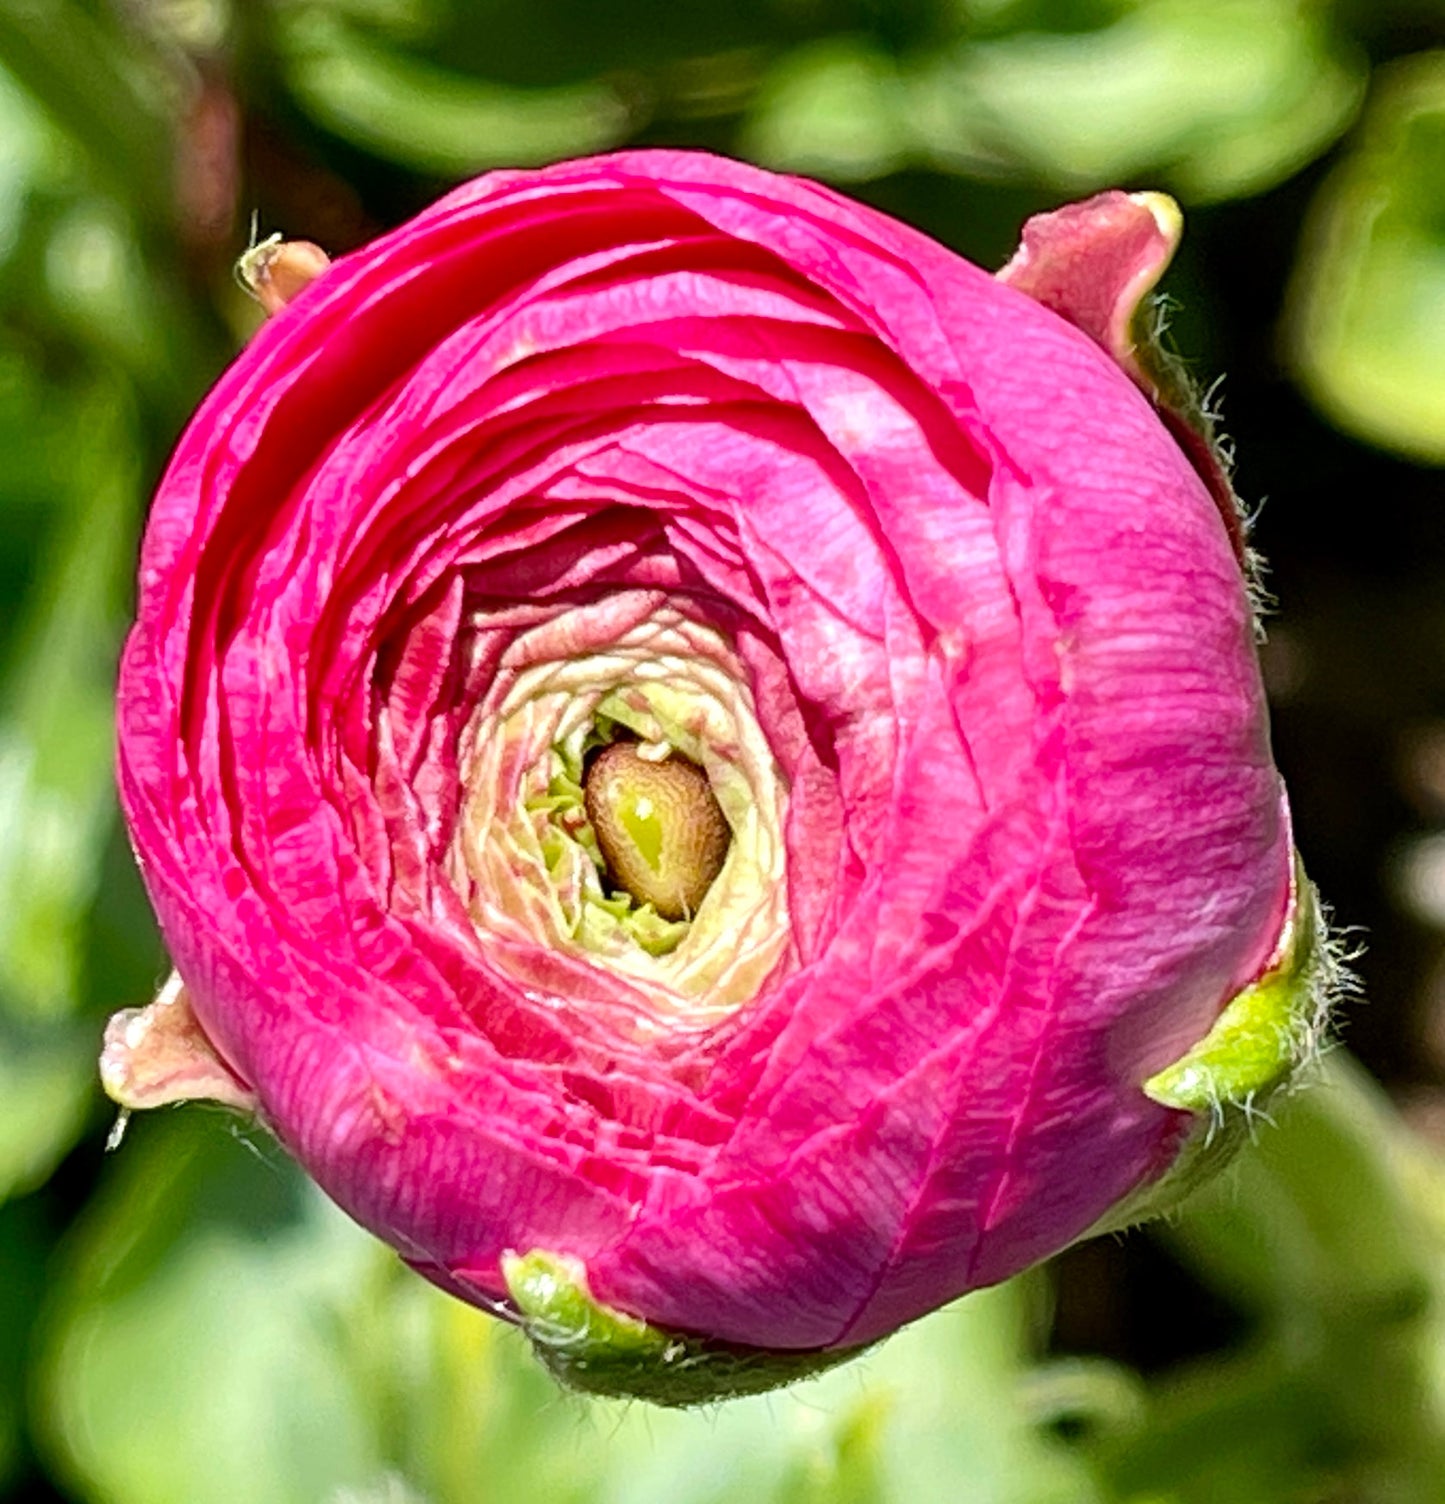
{"points": [[943, 635]]}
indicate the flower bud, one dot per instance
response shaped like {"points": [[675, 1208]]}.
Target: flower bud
{"points": [[276, 271], [702, 761]]}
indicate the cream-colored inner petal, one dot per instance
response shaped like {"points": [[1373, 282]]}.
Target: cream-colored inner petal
{"points": [[534, 886]]}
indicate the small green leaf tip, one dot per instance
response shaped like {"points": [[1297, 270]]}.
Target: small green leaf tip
{"points": [[1267, 1031], [1258, 1044], [588, 1346]]}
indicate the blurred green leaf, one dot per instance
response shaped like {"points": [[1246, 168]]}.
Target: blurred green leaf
{"points": [[1321, 1219], [839, 108], [1367, 323], [22, 1252], [396, 20], [1249, 1430], [932, 1415], [436, 121], [55, 714], [112, 298], [1218, 98], [88, 195], [56, 803], [34, 153], [95, 79], [194, 1353], [81, 301], [1331, 1230], [48, 1086]]}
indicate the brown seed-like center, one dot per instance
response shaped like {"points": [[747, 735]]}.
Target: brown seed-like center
{"points": [[660, 828]]}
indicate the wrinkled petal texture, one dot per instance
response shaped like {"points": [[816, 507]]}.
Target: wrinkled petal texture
{"points": [[993, 629]]}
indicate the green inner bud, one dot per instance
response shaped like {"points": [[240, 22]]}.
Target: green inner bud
{"points": [[658, 824]]}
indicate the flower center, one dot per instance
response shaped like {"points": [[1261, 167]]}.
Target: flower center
{"points": [[620, 844], [660, 828]]}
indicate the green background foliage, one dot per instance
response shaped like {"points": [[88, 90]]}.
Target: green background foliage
{"points": [[186, 1321]]}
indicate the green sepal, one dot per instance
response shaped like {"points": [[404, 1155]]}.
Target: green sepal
{"points": [[1265, 1032], [602, 916], [1204, 1154], [1257, 1045], [591, 1347]]}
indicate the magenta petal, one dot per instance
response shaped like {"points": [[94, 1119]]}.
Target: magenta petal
{"points": [[982, 654]]}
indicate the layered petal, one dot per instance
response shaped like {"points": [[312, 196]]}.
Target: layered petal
{"points": [[895, 553]]}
